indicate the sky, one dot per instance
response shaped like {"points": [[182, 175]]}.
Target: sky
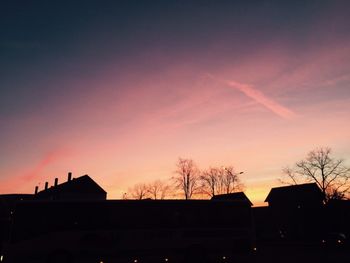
{"points": [[120, 90]]}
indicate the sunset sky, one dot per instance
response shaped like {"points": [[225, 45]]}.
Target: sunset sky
{"points": [[120, 90]]}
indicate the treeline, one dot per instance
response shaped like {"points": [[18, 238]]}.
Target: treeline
{"points": [[331, 175], [189, 182]]}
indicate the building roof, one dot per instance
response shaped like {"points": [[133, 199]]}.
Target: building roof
{"points": [[295, 193], [239, 196], [80, 185]]}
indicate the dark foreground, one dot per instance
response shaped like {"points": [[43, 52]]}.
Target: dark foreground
{"points": [[266, 253], [300, 254]]}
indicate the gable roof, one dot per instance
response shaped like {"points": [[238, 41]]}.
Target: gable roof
{"points": [[83, 184], [238, 196], [295, 193]]}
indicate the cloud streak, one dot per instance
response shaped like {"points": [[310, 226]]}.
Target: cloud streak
{"points": [[262, 99], [26, 176], [47, 160]]}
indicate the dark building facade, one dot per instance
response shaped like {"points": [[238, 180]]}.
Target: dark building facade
{"points": [[82, 189], [295, 214], [7, 206]]}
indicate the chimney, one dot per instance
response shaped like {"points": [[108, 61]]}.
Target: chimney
{"points": [[56, 182], [69, 176], [36, 190], [46, 185]]}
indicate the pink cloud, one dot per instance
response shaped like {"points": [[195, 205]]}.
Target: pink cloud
{"points": [[47, 160], [29, 175], [259, 97]]}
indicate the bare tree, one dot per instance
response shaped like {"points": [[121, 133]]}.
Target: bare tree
{"points": [[223, 180], [210, 180], [186, 179], [138, 191], [158, 190], [330, 174], [231, 182]]}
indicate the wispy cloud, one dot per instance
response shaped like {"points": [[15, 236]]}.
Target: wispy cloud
{"points": [[48, 159], [28, 175], [261, 98]]}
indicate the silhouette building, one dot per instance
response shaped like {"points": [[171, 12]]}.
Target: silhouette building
{"points": [[297, 196], [239, 196], [294, 213], [81, 188]]}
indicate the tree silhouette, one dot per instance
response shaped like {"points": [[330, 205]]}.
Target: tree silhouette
{"points": [[230, 181], [158, 189], [210, 180], [330, 174], [138, 191], [223, 180], [186, 178]]}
